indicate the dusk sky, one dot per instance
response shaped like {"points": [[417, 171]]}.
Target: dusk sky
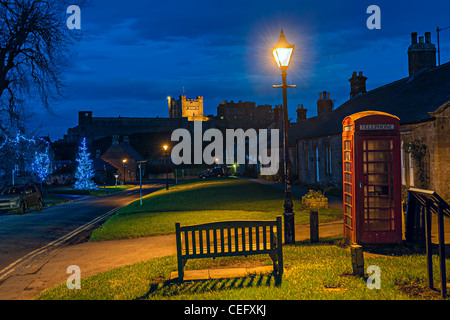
{"points": [[133, 54]]}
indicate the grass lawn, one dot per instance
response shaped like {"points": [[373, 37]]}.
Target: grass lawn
{"points": [[312, 272], [50, 200], [101, 191], [202, 201]]}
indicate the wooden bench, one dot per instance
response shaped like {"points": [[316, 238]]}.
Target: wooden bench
{"points": [[229, 238]]}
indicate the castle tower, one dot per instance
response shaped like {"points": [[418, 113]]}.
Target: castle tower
{"points": [[186, 108]]}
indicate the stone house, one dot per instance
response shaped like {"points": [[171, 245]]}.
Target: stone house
{"points": [[114, 155], [421, 101]]}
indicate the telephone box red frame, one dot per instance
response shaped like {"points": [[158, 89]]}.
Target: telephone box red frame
{"points": [[372, 178]]}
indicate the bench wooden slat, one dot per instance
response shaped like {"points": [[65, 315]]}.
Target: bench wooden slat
{"points": [[248, 243], [271, 238], [243, 238], [222, 241], [194, 246], [215, 240], [265, 237], [200, 240], [236, 240], [208, 243], [257, 239], [229, 239], [186, 240]]}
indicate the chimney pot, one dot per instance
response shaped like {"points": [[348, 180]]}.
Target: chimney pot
{"points": [[427, 37], [421, 40], [360, 73], [320, 95], [414, 37]]}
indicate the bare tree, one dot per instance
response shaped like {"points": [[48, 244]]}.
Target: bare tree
{"points": [[34, 41], [34, 47]]}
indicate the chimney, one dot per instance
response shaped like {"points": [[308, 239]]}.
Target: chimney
{"points": [[301, 113], [422, 55], [357, 84], [324, 104]]}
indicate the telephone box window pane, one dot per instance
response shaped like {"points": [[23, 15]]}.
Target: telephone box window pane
{"points": [[378, 179], [378, 144], [347, 155], [382, 225], [348, 177], [348, 188], [380, 213], [379, 167], [378, 156], [347, 145], [376, 202], [348, 221], [348, 199], [348, 210], [347, 166], [380, 191]]}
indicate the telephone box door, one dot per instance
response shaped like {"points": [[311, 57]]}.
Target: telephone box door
{"points": [[379, 189], [372, 178]]}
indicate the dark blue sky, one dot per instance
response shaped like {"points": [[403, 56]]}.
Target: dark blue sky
{"points": [[135, 53]]}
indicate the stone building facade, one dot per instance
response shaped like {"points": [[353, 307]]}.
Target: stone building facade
{"points": [[192, 109], [421, 101]]}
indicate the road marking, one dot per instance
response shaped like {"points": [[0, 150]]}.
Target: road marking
{"points": [[13, 266], [9, 269]]}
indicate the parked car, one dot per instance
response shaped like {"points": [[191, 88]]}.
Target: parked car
{"points": [[20, 198], [216, 172]]}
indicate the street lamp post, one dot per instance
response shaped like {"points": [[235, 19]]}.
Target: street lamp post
{"points": [[282, 54], [124, 161], [165, 163]]}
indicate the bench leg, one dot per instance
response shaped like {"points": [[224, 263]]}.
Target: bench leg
{"points": [[181, 264], [274, 258]]}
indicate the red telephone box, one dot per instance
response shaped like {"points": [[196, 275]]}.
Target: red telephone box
{"points": [[372, 178]]}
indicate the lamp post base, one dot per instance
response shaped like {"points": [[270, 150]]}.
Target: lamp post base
{"points": [[289, 230]]}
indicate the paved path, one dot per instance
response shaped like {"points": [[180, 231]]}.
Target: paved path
{"points": [[95, 257]]}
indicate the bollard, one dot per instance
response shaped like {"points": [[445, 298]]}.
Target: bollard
{"points": [[314, 226], [357, 260]]}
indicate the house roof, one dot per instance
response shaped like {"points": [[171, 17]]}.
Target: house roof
{"points": [[132, 152], [100, 164], [411, 99]]}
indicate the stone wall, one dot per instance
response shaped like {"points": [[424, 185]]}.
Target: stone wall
{"points": [[435, 133]]}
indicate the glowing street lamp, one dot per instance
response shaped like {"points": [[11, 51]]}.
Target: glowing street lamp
{"points": [[283, 53], [165, 147], [124, 161]]}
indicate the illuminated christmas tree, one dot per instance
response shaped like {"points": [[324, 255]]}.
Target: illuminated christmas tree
{"points": [[85, 169], [41, 165]]}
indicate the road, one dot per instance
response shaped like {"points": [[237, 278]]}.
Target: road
{"points": [[27, 238]]}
